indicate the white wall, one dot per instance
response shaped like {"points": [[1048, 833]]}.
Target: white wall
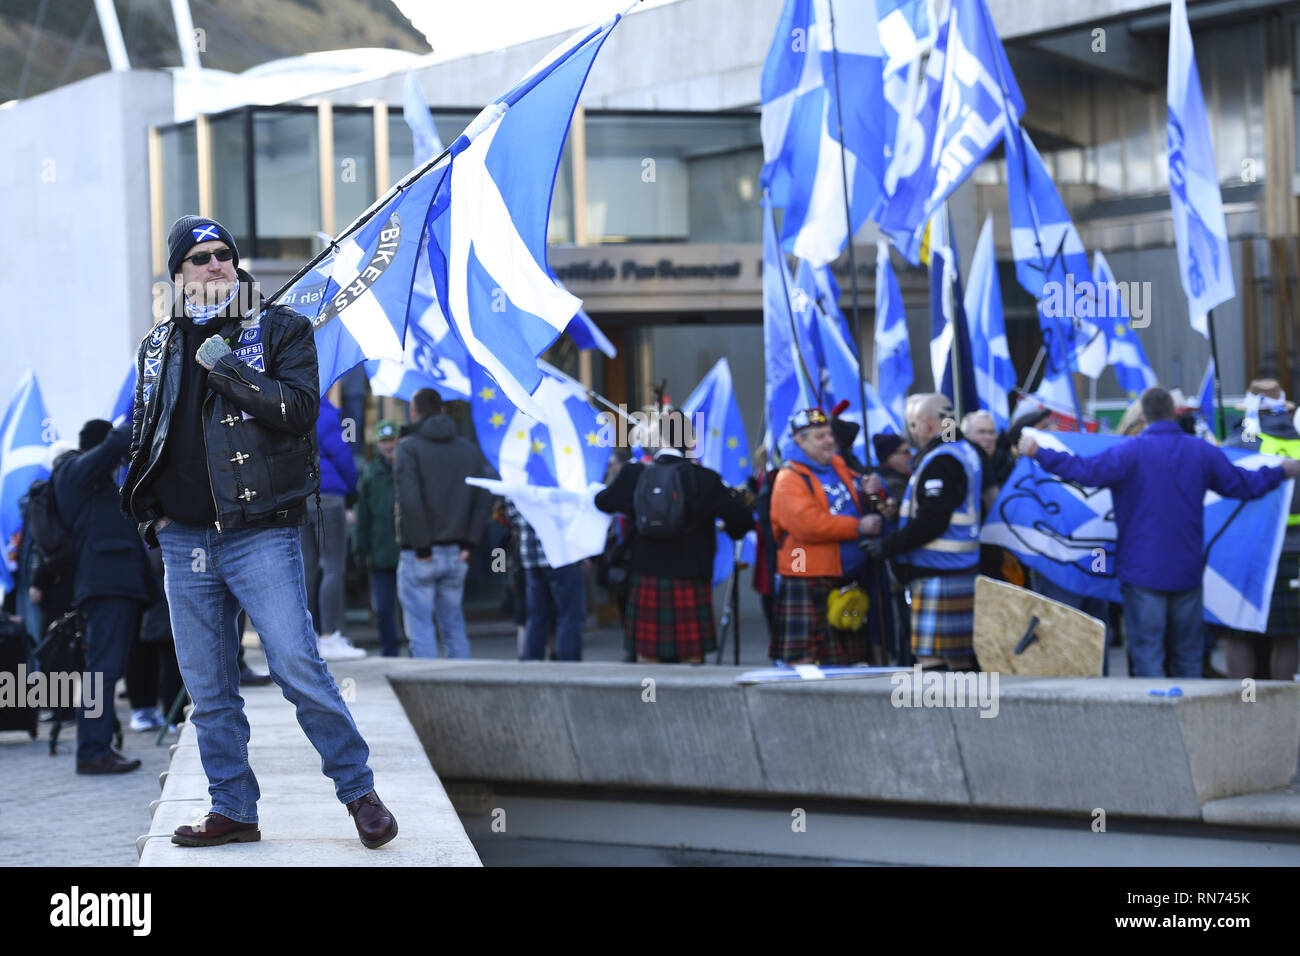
{"points": [[74, 240]]}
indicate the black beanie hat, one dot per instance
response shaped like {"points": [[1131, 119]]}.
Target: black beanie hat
{"points": [[92, 433], [187, 232], [885, 444]]}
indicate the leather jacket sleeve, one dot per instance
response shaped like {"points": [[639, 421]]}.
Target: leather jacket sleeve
{"points": [[137, 407], [287, 401]]}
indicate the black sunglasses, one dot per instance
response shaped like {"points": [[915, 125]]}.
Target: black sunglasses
{"points": [[201, 258]]}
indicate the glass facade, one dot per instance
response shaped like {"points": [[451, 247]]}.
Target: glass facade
{"points": [[655, 177], [286, 182], [230, 178], [180, 173], [354, 164]]}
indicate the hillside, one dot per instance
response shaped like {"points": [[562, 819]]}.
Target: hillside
{"points": [[48, 43]]}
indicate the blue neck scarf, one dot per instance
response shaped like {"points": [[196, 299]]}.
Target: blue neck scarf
{"points": [[205, 313]]}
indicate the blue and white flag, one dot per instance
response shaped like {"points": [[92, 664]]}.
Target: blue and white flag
{"points": [[912, 108], [587, 335], [841, 376], [1124, 353], [1051, 263], [124, 404], [805, 168], [1204, 261], [995, 376], [978, 90], [948, 321], [425, 141], [907, 29], [357, 296], [720, 439], [550, 471], [487, 226], [893, 351], [1056, 526], [721, 444], [816, 286], [786, 388], [1205, 397], [26, 434]]}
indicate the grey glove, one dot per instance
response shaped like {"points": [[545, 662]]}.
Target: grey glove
{"points": [[872, 546], [211, 350]]}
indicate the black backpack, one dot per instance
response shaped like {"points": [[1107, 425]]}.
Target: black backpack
{"points": [[45, 525], [659, 500]]}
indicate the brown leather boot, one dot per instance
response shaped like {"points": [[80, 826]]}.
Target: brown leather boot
{"points": [[215, 829], [375, 824]]}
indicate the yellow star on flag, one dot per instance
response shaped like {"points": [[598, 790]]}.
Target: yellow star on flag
{"points": [[592, 439], [497, 419], [520, 434], [568, 449], [1121, 329], [487, 394], [744, 463], [537, 447], [731, 442]]}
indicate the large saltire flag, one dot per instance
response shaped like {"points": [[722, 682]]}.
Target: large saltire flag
{"points": [[720, 444], [487, 225], [26, 434], [1051, 262], [551, 470], [817, 285], [787, 388], [805, 169], [995, 376], [907, 29], [1056, 527], [1204, 261], [1124, 353], [893, 351]]}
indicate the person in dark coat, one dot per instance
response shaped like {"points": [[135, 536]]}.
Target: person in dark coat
{"points": [[374, 536], [670, 591], [111, 584]]}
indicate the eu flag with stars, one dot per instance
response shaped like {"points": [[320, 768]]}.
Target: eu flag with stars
{"points": [[25, 437]]}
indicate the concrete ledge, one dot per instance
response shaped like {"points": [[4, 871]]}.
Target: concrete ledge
{"points": [[301, 820], [1054, 745], [1275, 810]]}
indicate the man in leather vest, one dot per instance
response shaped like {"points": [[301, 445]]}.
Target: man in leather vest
{"points": [[223, 460], [936, 551]]}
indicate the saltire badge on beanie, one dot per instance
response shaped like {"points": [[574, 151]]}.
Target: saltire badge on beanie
{"points": [[807, 418]]}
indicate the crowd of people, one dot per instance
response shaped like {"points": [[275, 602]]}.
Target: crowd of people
{"points": [[232, 491]]}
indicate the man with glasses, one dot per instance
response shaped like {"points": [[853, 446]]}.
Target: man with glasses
{"points": [[223, 460]]}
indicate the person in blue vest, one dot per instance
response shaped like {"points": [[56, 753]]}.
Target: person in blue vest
{"points": [[1158, 481], [936, 549]]}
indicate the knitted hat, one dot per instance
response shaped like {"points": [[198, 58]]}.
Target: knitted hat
{"points": [[187, 232], [92, 433], [885, 444], [387, 429]]}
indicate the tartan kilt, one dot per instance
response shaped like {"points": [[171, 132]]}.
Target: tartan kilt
{"points": [[943, 616], [1284, 609], [802, 630], [669, 619]]}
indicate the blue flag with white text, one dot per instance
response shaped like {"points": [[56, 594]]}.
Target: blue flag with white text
{"points": [[1124, 351]]}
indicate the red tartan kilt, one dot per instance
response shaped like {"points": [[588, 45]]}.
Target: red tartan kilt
{"points": [[669, 619]]}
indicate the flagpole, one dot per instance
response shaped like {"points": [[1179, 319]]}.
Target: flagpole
{"points": [[954, 347], [853, 264], [1218, 382], [816, 387]]}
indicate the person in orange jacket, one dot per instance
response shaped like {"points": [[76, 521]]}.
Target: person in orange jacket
{"points": [[818, 513]]}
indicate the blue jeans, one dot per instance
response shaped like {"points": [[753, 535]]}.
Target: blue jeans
{"points": [[210, 575], [383, 595], [324, 568], [111, 623], [431, 592], [1164, 623], [555, 596]]}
